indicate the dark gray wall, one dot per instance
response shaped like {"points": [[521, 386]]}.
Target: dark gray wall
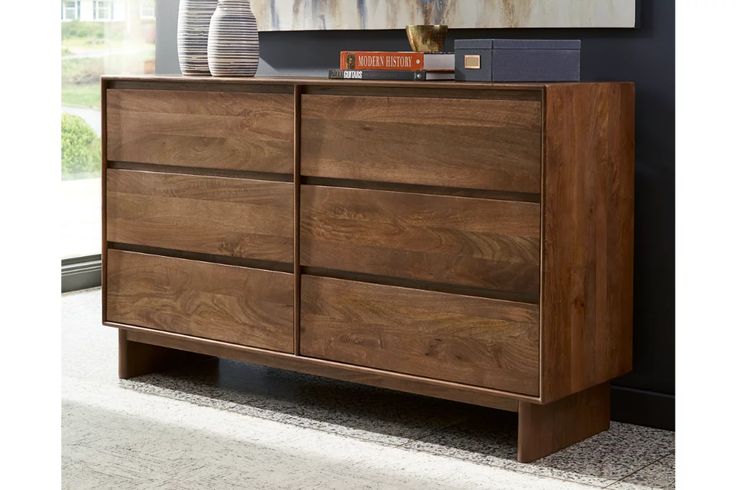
{"points": [[645, 55]]}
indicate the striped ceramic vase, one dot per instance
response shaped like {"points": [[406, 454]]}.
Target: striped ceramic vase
{"points": [[232, 49], [191, 35]]}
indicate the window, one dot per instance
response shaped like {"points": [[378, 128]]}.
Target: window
{"points": [[148, 9], [70, 10], [103, 9], [90, 48]]}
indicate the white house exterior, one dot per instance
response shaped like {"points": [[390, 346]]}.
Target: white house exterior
{"points": [[107, 10]]}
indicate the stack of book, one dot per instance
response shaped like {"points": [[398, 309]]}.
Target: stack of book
{"points": [[394, 65]]}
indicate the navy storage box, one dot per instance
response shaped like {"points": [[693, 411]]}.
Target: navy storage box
{"points": [[517, 60], [473, 60]]}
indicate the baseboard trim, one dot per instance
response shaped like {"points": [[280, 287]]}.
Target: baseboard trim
{"points": [[81, 273], [642, 407]]}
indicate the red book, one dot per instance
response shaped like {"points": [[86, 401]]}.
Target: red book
{"points": [[382, 60]]}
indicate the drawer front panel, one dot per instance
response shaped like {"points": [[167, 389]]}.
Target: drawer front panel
{"points": [[221, 302], [477, 341], [490, 144], [217, 215], [223, 130], [443, 239]]}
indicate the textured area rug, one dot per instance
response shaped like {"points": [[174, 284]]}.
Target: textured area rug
{"points": [[232, 425]]}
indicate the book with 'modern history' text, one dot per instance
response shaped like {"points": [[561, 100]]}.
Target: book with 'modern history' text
{"points": [[396, 61]]}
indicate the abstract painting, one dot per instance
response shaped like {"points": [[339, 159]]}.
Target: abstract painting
{"points": [[308, 15]]}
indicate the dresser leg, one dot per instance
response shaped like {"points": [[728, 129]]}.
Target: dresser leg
{"points": [[137, 359], [544, 429]]}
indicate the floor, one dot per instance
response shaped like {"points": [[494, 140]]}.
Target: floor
{"points": [[232, 425]]}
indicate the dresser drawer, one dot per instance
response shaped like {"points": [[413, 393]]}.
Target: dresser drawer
{"points": [[221, 302], [217, 215], [492, 144], [224, 130], [476, 341], [443, 239]]}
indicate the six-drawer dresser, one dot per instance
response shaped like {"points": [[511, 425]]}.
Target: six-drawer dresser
{"points": [[467, 241]]}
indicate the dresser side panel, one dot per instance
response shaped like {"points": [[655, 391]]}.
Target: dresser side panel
{"points": [[588, 226]]}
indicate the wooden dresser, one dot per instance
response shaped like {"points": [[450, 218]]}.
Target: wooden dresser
{"points": [[466, 241]]}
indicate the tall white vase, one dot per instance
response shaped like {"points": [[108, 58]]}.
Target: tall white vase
{"points": [[232, 48], [191, 35]]}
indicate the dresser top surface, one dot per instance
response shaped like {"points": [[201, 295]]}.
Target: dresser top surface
{"points": [[315, 81]]}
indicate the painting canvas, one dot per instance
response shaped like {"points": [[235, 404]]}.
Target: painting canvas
{"points": [[305, 15]]}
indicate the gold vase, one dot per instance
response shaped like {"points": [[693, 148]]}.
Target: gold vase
{"points": [[427, 38]]}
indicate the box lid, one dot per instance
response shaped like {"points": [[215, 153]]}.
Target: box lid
{"points": [[473, 43], [536, 44]]}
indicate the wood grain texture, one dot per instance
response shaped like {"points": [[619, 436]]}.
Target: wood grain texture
{"points": [[588, 216], [447, 91], [233, 304], [544, 429], [444, 239], [329, 369], [103, 193], [568, 147], [228, 130], [468, 143], [286, 83], [137, 359], [216, 215], [295, 220], [476, 341]]}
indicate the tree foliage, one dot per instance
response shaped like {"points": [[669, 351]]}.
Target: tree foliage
{"points": [[80, 148]]}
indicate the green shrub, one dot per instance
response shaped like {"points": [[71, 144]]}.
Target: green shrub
{"points": [[80, 148]]}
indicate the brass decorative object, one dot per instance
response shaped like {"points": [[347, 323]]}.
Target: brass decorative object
{"points": [[472, 61], [427, 38]]}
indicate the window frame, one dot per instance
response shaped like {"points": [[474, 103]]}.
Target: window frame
{"points": [[84, 271], [147, 10], [107, 5], [68, 5]]}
